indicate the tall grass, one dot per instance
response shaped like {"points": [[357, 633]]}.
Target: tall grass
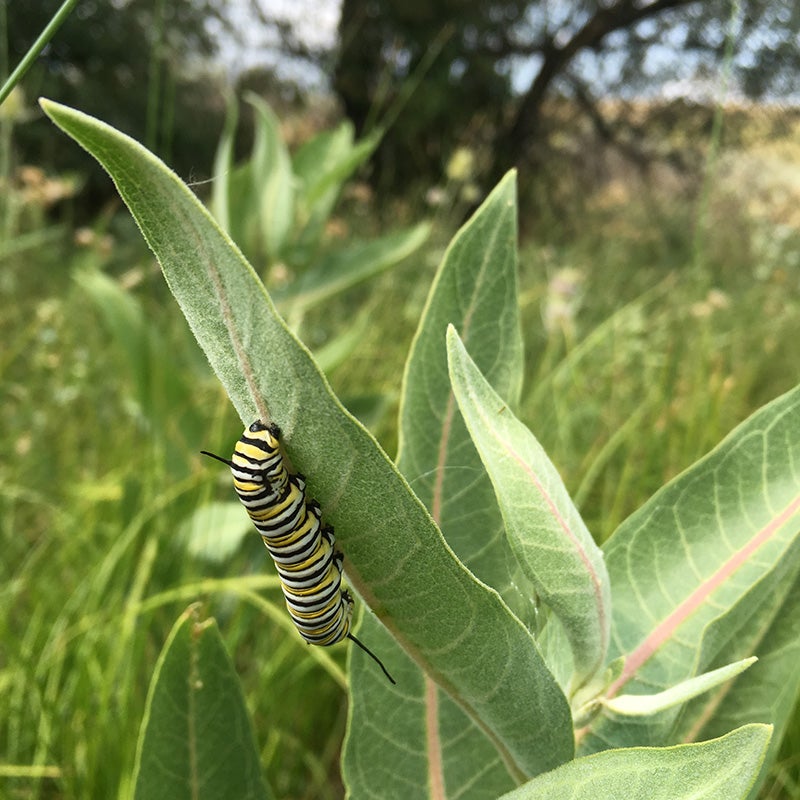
{"points": [[95, 483]]}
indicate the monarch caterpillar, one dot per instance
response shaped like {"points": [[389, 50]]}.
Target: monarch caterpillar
{"points": [[309, 567]]}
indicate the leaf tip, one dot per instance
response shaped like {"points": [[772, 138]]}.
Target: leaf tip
{"points": [[54, 110], [455, 347]]}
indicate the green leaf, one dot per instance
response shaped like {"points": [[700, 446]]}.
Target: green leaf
{"points": [[160, 388], [766, 621], [453, 626], [223, 166], [722, 769], [637, 705], [325, 162], [242, 209], [273, 182], [475, 290], [546, 532], [315, 166], [125, 319], [338, 350], [431, 744], [321, 166], [342, 270], [686, 567], [215, 531], [196, 739]]}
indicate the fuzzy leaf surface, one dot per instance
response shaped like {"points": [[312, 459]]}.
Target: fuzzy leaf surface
{"points": [[454, 627], [545, 530], [694, 573], [438, 750], [766, 621], [196, 740], [721, 769]]}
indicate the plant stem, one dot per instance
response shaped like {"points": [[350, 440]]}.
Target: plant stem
{"points": [[36, 48]]}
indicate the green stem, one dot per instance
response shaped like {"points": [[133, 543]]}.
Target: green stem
{"points": [[36, 48]]}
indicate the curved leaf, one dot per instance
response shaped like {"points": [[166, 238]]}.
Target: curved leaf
{"points": [[223, 164], [722, 769], [273, 182], [546, 532], [456, 628], [685, 565], [341, 270], [196, 740], [430, 745], [766, 621], [642, 705], [476, 291], [322, 165]]}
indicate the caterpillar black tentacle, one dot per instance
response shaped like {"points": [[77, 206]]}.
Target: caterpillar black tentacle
{"points": [[290, 524]]}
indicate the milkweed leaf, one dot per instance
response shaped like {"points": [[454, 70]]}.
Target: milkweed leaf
{"points": [[455, 628], [432, 744], [545, 530], [196, 740], [724, 538], [721, 769]]}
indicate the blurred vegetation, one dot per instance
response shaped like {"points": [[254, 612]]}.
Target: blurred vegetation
{"points": [[145, 67], [456, 69], [661, 307]]}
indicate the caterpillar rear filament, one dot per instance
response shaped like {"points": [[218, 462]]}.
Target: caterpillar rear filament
{"points": [[309, 567]]}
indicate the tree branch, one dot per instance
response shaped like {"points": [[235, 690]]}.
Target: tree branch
{"points": [[622, 15]]}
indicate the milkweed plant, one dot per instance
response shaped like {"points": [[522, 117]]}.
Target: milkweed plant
{"points": [[529, 662]]}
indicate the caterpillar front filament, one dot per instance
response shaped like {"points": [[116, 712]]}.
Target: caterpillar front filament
{"points": [[309, 566]]}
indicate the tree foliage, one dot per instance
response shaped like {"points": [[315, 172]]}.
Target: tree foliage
{"points": [[449, 47], [579, 50]]}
